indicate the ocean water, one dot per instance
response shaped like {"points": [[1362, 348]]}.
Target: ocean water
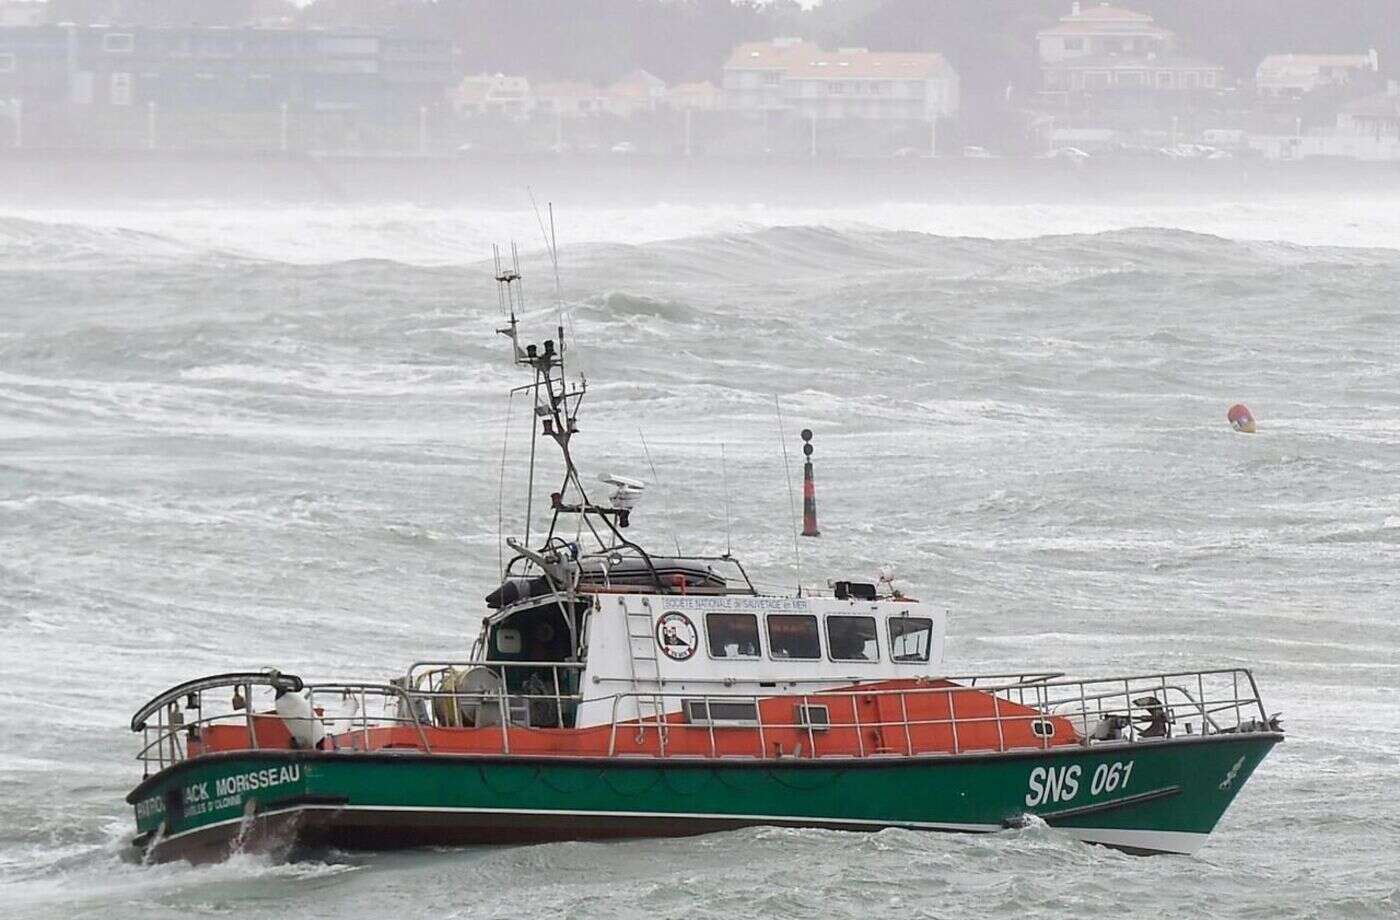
{"points": [[235, 437]]}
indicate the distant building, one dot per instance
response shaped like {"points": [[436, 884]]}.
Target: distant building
{"points": [[568, 99], [1376, 116], [754, 73], [1367, 129], [222, 68], [699, 97], [23, 13], [639, 91], [796, 76], [1296, 74], [1102, 47], [493, 94]]}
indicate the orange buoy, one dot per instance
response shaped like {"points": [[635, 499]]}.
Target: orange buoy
{"points": [[1240, 418]]}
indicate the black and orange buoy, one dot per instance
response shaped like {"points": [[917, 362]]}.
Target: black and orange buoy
{"points": [[809, 489], [1240, 418]]}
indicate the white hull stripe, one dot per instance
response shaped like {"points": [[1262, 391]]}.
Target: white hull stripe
{"points": [[1165, 841]]}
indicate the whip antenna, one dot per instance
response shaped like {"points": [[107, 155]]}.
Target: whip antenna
{"points": [[551, 245], [792, 499], [665, 493], [501, 494], [728, 523]]}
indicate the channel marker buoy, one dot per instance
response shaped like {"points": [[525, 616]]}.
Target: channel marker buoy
{"points": [[809, 489], [1240, 418]]}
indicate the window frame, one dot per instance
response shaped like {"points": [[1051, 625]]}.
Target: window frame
{"points": [[767, 617], [861, 616], [709, 649], [889, 630], [802, 717], [130, 40], [688, 709]]}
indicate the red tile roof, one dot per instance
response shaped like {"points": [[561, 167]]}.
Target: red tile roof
{"points": [[1104, 18], [774, 55]]}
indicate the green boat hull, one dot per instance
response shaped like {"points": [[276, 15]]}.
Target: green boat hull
{"points": [[1147, 796]]}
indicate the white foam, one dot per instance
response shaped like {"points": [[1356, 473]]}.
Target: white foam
{"points": [[445, 236]]}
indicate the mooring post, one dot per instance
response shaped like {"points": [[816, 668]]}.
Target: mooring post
{"points": [[809, 489]]}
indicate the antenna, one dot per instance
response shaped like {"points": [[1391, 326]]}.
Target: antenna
{"points": [[728, 525], [665, 500], [792, 500], [554, 255], [501, 492], [550, 244]]}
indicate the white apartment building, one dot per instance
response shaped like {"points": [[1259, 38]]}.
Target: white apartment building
{"points": [[797, 76]]}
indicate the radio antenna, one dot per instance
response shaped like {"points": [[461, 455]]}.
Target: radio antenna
{"points": [[665, 493], [501, 493], [728, 523], [551, 245], [792, 499]]}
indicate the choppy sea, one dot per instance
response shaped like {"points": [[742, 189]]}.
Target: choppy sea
{"points": [[236, 436]]}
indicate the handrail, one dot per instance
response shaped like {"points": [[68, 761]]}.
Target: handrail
{"points": [[1084, 704], [269, 677], [491, 663], [1018, 679], [385, 690]]}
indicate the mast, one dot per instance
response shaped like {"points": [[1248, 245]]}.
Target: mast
{"points": [[556, 407], [556, 404]]}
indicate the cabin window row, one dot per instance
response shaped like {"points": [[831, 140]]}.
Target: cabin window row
{"points": [[797, 636]]}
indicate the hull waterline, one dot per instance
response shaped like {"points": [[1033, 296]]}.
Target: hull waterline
{"points": [[1167, 796]]}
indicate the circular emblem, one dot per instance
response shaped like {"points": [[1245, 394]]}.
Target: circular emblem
{"points": [[677, 636]]}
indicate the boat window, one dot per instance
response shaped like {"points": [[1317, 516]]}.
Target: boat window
{"points": [[852, 638], [793, 635], [816, 716], [508, 641], [732, 635], [911, 638], [721, 712]]}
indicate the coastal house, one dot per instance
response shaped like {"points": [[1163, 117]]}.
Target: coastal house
{"points": [[850, 83], [698, 97], [1376, 116], [637, 92], [493, 94], [1102, 47], [754, 73], [568, 99], [1283, 75], [1367, 129]]}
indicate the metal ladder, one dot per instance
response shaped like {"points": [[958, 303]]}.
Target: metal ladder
{"points": [[646, 667]]}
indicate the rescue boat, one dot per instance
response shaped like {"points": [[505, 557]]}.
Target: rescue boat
{"points": [[615, 693]]}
